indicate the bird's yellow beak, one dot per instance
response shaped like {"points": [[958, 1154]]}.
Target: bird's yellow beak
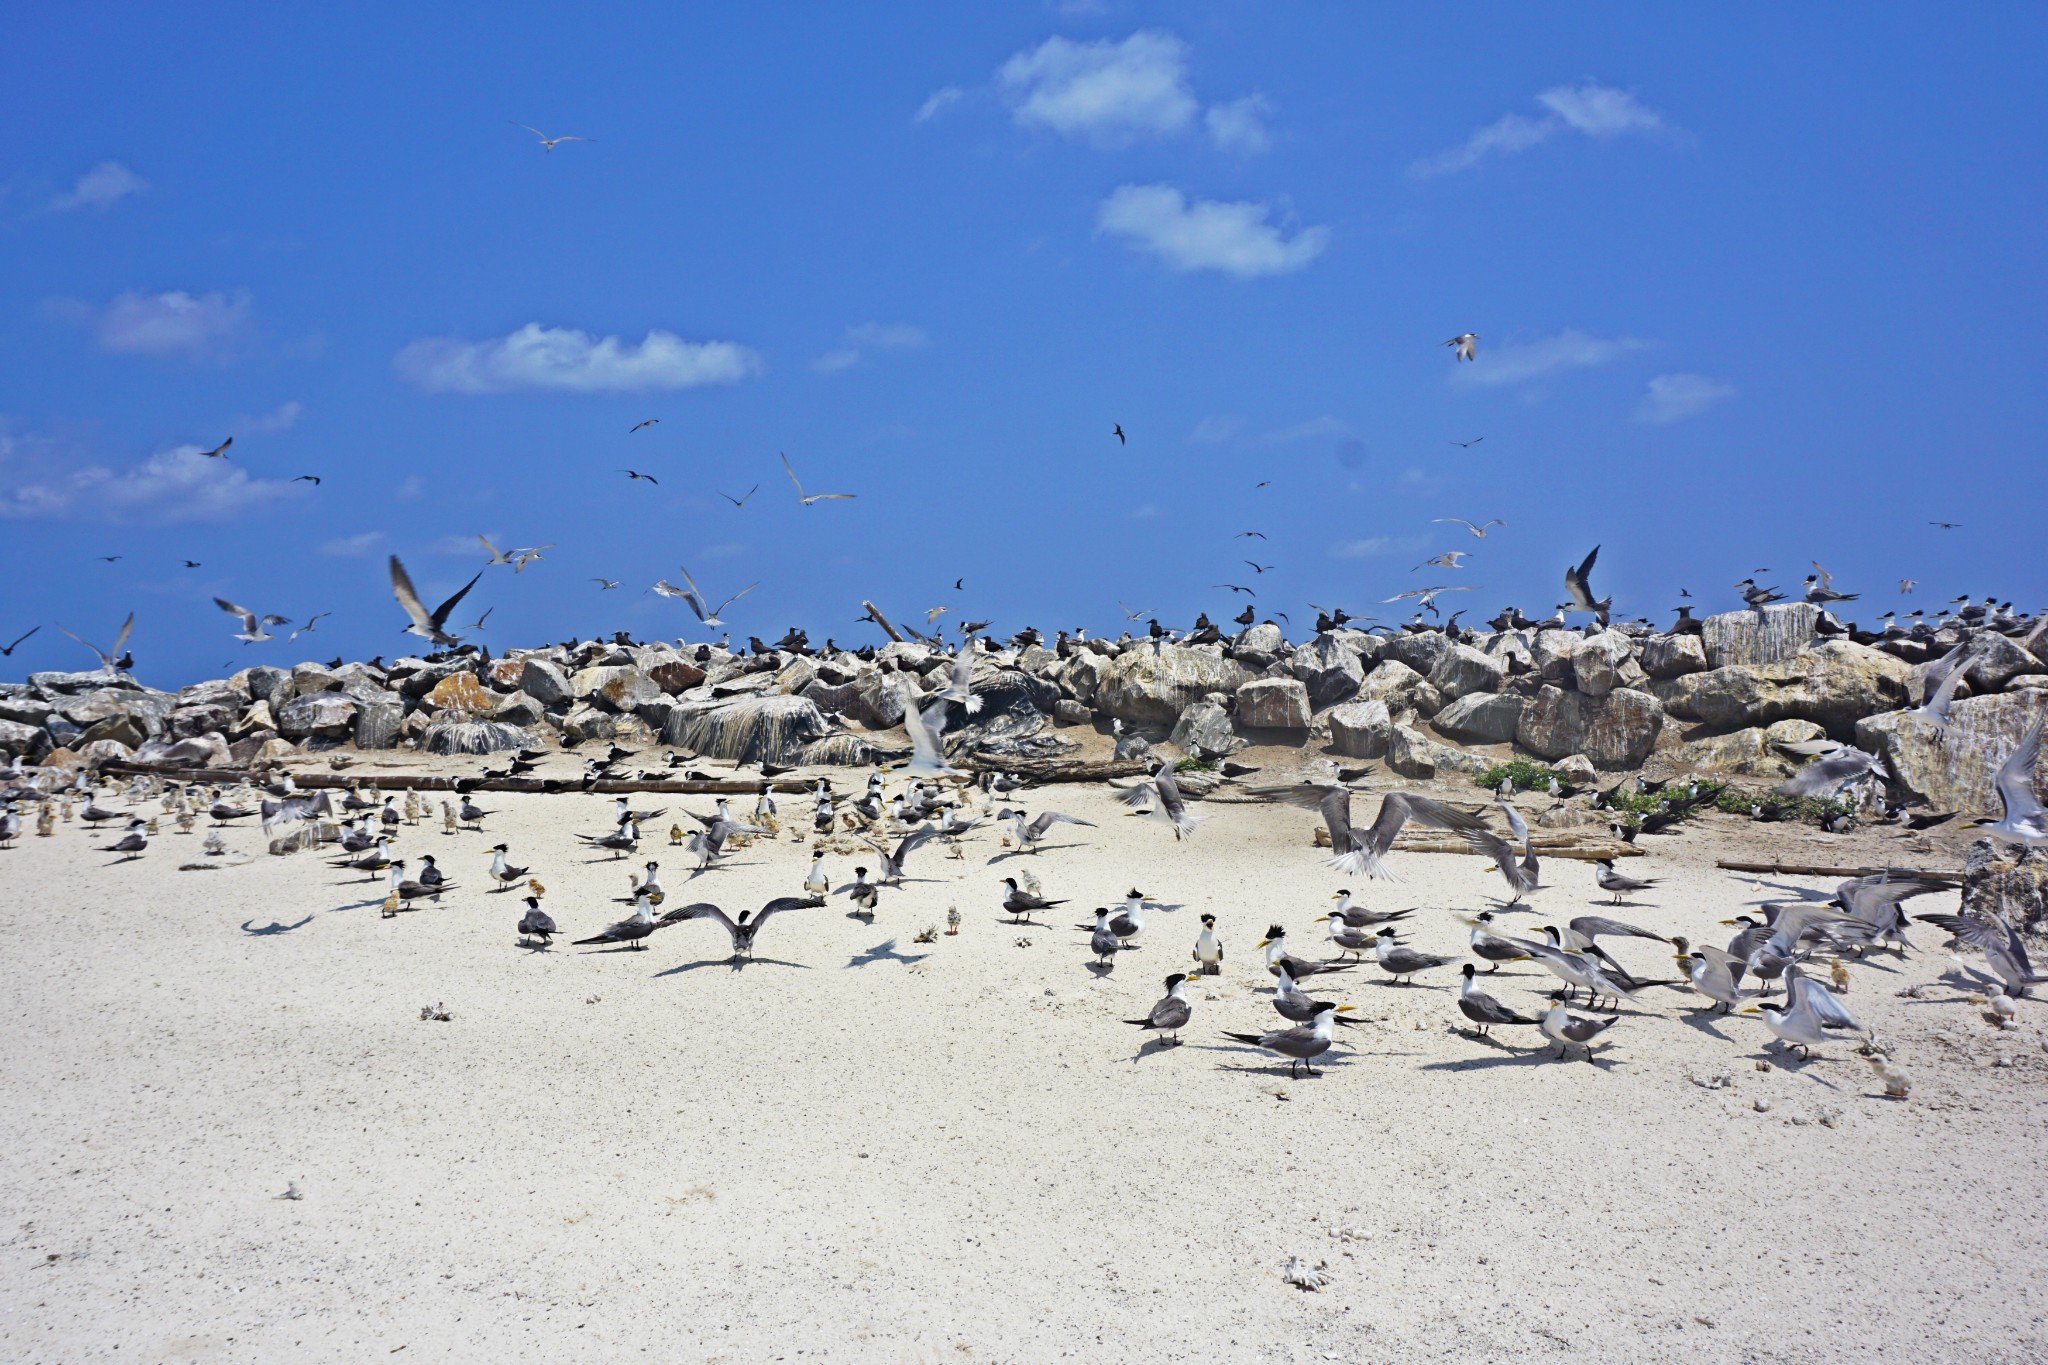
{"points": [[1346, 1009], [1749, 1009], [1337, 895], [1263, 942], [1729, 922], [1320, 919]]}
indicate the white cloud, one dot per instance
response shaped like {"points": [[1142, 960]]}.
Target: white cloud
{"points": [[566, 360], [105, 184], [1372, 547], [1108, 92], [1146, 511], [1675, 397], [409, 488], [1590, 108], [180, 484], [1206, 234], [894, 336], [281, 418], [353, 547], [1518, 363], [1211, 430], [936, 101], [172, 323], [1314, 427], [1239, 127]]}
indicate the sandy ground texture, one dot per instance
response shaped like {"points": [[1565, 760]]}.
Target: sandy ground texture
{"points": [[865, 1148]]}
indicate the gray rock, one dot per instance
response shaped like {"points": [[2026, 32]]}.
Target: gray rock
{"points": [[1511, 647], [844, 698], [1082, 678], [1153, 686], [224, 692], [377, 725], [264, 683], [324, 713], [1480, 718], [1615, 732], [1578, 770], [1834, 685], [1360, 729], [27, 710], [189, 721], [1067, 711], [616, 688], [124, 730], [2000, 879], [1995, 661], [675, 675], [1597, 667], [587, 721], [198, 751], [95, 752], [1420, 650], [546, 682], [308, 679], [68, 684], [1462, 670], [772, 728], [1204, 731], [519, 708], [881, 701], [1763, 636], [1263, 638], [464, 734], [30, 741], [1673, 656], [148, 710], [1400, 687], [1951, 768], [1413, 754], [1552, 652], [1329, 668], [1273, 704]]}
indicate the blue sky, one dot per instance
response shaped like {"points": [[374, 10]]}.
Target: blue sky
{"points": [[1752, 288]]}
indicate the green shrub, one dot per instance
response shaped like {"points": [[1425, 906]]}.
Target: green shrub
{"points": [[1195, 765], [1525, 775]]}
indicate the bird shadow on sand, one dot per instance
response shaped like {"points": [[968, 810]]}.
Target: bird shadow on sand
{"points": [[1704, 1021], [1031, 852], [884, 952], [1792, 1064], [1606, 902], [1322, 1064], [364, 905], [1525, 1057], [274, 928], [622, 948], [1103, 969], [1154, 1047], [737, 963]]}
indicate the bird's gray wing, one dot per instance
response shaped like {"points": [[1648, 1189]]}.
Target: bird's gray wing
{"points": [[441, 612], [122, 639], [1138, 796], [1516, 823], [408, 597], [1875, 900], [782, 903], [926, 726], [1052, 817], [248, 617], [2015, 780], [1398, 808], [1976, 930], [1804, 991], [1828, 771], [735, 597], [1592, 926], [1492, 845]]}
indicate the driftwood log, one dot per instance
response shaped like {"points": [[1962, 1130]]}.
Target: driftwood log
{"points": [[1808, 870], [447, 783], [1590, 848]]}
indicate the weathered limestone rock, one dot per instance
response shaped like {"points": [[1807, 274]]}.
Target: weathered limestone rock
{"points": [[547, 682], [461, 692], [1995, 661], [1419, 651], [1744, 753], [121, 729], [1480, 718], [1264, 637], [1360, 729], [1329, 668], [310, 678], [1511, 647], [587, 721], [377, 725], [1462, 670], [1413, 754], [795, 675], [1082, 678], [1153, 686], [1999, 880], [188, 721], [323, 713], [1553, 651], [1762, 636], [27, 710], [1067, 711], [773, 728], [1597, 667], [1578, 770], [95, 752], [1615, 732], [1203, 731], [68, 684], [881, 701], [264, 683], [1673, 656], [1273, 704], [30, 741], [675, 675], [223, 692], [1834, 685], [1400, 687], [198, 751], [516, 708], [147, 710], [1951, 768], [257, 717]]}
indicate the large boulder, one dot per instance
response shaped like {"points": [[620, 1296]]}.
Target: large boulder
{"points": [[310, 678], [1263, 638], [198, 751], [881, 700], [1419, 649], [377, 725], [1834, 685], [674, 674], [29, 741], [1673, 656], [1360, 729], [225, 692], [1400, 687], [773, 729], [1082, 678], [1597, 667], [147, 711], [26, 709], [2002, 879], [1329, 668], [1480, 718], [67, 684], [1273, 704], [1414, 754], [1616, 731], [1552, 652], [1152, 686], [1462, 670], [1951, 767], [1995, 661], [188, 721], [461, 692], [615, 687], [1204, 731], [324, 713], [1763, 635], [547, 682]]}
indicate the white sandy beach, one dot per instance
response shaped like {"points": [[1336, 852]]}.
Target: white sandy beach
{"points": [[862, 1148]]}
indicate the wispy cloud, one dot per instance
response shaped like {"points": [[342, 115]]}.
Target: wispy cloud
{"points": [[280, 418], [1239, 127], [1213, 430], [1520, 362], [1206, 234], [1312, 429], [180, 484], [1146, 511], [168, 324], [1598, 111], [1110, 93], [565, 360], [1675, 397], [870, 336], [105, 184], [1372, 547], [353, 547], [936, 101]]}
